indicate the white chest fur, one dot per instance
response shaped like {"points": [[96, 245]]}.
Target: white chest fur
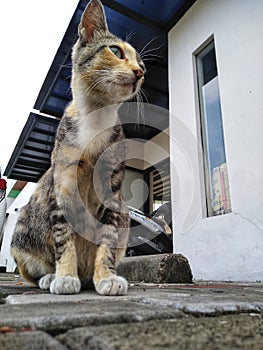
{"points": [[95, 128]]}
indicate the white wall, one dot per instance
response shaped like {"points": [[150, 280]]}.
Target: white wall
{"points": [[5, 255], [142, 155], [6, 258], [157, 149], [134, 189], [228, 247]]}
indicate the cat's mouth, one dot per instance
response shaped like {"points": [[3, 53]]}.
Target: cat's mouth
{"points": [[133, 86], [128, 86]]}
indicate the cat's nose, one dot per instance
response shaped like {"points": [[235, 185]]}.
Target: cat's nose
{"points": [[138, 73]]}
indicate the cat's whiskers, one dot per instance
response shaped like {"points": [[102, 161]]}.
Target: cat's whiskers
{"points": [[140, 108], [96, 83], [92, 87], [145, 53], [99, 71], [149, 54], [68, 65], [130, 36], [144, 94], [152, 56], [147, 45]]}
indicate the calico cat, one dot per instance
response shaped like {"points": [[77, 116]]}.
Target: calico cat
{"points": [[76, 224]]}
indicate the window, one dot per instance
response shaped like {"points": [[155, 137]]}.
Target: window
{"points": [[215, 165], [160, 188], [159, 185]]}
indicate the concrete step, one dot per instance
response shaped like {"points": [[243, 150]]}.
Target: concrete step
{"points": [[162, 268]]}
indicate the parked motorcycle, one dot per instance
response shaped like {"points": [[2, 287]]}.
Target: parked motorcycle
{"points": [[150, 234]]}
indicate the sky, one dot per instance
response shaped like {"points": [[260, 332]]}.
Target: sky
{"points": [[31, 31]]}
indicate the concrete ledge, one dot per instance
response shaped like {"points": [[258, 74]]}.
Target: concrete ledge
{"points": [[163, 268]]}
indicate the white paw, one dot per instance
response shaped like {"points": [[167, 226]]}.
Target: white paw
{"points": [[65, 285], [114, 285], [45, 281]]}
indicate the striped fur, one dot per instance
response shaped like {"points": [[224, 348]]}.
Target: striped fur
{"points": [[76, 224]]}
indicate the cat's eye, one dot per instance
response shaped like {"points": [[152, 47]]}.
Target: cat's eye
{"points": [[117, 51]]}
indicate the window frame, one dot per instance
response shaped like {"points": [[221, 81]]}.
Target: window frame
{"points": [[206, 172]]}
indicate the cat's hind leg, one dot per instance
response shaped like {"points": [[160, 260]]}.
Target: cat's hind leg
{"points": [[45, 281], [39, 272], [32, 267]]}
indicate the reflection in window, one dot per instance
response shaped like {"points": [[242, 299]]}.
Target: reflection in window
{"points": [[216, 176]]}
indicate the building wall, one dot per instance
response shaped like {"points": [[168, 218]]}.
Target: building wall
{"points": [[157, 149], [142, 155], [227, 247], [6, 258]]}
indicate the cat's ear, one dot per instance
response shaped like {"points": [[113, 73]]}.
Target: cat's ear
{"points": [[92, 20]]}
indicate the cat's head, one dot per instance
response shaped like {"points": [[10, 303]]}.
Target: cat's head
{"points": [[106, 69]]}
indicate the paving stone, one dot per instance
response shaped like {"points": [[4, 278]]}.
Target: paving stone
{"points": [[163, 268], [61, 312], [150, 316], [30, 340], [209, 333], [56, 317]]}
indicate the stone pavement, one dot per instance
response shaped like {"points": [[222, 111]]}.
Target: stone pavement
{"points": [[202, 315]]}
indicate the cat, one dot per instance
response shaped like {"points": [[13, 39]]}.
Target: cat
{"points": [[76, 224]]}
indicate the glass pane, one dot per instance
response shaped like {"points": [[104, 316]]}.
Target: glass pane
{"points": [[213, 123], [219, 194]]}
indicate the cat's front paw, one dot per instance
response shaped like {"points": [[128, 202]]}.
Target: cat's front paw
{"points": [[65, 285], [45, 281], [114, 285]]}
